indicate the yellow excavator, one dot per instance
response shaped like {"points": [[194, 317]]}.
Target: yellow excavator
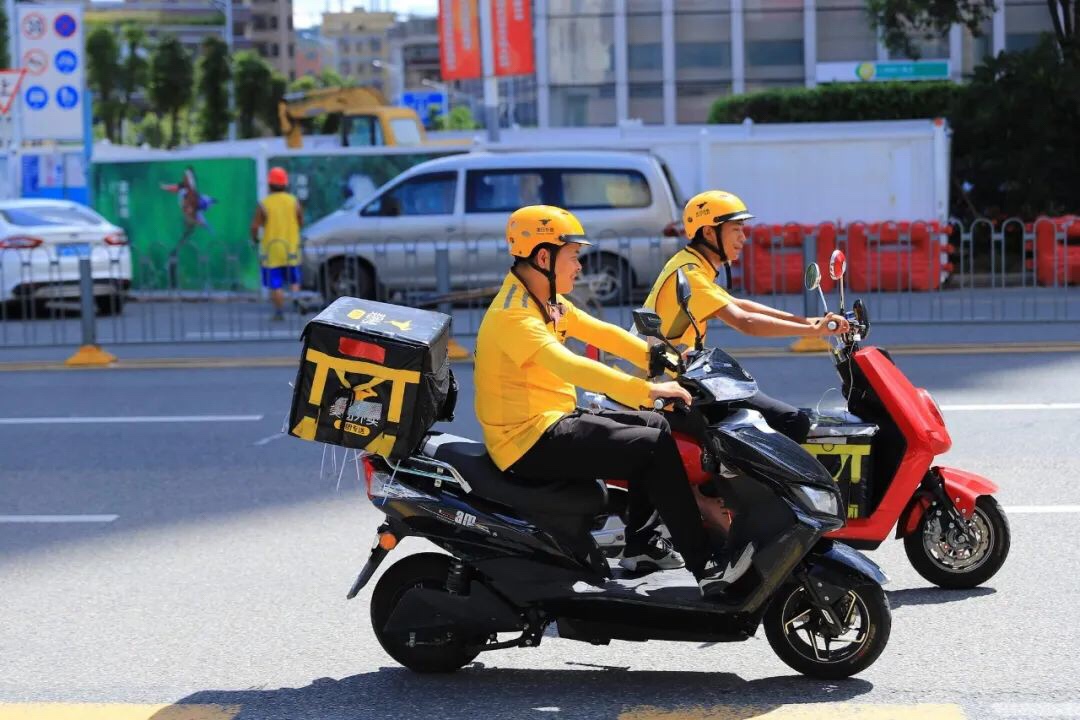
{"points": [[367, 120]]}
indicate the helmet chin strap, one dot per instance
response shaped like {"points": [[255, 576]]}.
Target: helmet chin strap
{"points": [[553, 250], [718, 248]]}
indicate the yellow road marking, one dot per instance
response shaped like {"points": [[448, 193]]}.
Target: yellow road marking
{"points": [[807, 711], [115, 711]]}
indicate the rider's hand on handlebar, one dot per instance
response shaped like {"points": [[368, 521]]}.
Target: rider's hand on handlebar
{"points": [[827, 326], [844, 325], [668, 391]]}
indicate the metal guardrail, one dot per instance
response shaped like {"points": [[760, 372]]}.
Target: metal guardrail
{"points": [[919, 273]]}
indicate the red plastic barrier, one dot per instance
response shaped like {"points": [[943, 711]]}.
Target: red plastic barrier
{"points": [[1057, 263], [773, 257], [890, 264]]}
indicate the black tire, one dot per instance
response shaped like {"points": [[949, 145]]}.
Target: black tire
{"points": [[957, 573], [616, 278], [109, 305], [427, 570], [347, 276], [868, 603]]}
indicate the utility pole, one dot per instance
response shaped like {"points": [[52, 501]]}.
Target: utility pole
{"points": [[491, 82], [232, 83]]}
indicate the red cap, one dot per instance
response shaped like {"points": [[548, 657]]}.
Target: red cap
{"points": [[278, 176]]}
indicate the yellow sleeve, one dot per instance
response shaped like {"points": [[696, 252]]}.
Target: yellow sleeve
{"points": [[609, 338], [591, 375], [707, 297]]}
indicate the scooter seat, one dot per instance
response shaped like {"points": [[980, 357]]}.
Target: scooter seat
{"points": [[556, 497]]}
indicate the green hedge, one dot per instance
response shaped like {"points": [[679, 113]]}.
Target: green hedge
{"points": [[839, 102]]}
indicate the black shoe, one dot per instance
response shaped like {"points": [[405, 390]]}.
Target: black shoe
{"points": [[655, 554], [715, 578]]}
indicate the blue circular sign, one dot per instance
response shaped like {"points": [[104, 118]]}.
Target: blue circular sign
{"points": [[64, 25], [37, 97], [67, 97], [66, 62]]}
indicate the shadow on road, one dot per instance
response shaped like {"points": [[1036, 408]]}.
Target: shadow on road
{"points": [[934, 596], [490, 693]]}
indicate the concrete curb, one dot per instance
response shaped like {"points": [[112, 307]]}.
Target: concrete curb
{"points": [[759, 352]]}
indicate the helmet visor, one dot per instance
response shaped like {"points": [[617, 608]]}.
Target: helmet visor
{"points": [[577, 239]]}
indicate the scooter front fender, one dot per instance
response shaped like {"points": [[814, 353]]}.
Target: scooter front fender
{"points": [[838, 558], [963, 489]]}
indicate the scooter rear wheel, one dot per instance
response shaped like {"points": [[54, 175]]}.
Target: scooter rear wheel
{"points": [[799, 637], [431, 651], [961, 558]]}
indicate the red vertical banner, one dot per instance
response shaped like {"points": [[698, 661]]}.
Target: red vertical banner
{"points": [[459, 40], [512, 27]]}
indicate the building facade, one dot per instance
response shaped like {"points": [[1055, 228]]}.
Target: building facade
{"points": [[271, 33], [361, 46], [603, 62], [313, 53]]}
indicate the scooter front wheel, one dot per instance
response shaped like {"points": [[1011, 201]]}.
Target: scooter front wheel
{"points": [[961, 557], [801, 638]]}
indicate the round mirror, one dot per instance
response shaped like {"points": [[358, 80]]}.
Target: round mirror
{"points": [[837, 265], [812, 279]]}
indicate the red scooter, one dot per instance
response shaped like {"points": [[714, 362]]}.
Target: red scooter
{"points": [[880, 452]]}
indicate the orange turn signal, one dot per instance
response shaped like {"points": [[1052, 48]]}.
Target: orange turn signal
{"points": [[387, 541]]}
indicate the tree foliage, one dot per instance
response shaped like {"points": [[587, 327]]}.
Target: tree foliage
{"points": [[134, 68], [171, 82], [252, 88], [102, 71], [214, 73], [460, 118]]}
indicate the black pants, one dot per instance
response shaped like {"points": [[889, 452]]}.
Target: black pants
{"points": [[637, 447], [782, 418]]}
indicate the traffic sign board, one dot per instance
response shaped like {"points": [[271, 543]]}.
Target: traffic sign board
{"points": [[67, 97], [35, 61], [66, 62], [33, 26], [9, 87], [37, 97], [65, 25]]}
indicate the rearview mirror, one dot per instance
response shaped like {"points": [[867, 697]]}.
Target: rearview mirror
{"points": [[682, 289], [837, 265], [647, 323], [812, 279]]}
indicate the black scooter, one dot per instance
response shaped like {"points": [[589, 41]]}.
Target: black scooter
{"points": [[521, 558]]}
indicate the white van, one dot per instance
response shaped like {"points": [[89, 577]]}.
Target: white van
{"points": [[627, 202]]}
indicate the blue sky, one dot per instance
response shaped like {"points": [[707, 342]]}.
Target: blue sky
{"points": [[308, 12]]}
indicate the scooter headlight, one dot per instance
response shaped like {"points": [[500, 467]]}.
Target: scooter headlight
{"points": [[822, 501]]}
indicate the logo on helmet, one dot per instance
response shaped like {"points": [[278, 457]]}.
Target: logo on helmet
{"points": [[544, 229], [545, 221]]}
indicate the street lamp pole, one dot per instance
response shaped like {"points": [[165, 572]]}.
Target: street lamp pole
{"points": [[491, 82]]}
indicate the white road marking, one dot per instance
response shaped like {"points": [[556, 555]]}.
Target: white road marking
{"points": [[57, 518], [1012, 406], [1038, 709], [242, 334], [1041, 509], [129, 419], [270, 438]]}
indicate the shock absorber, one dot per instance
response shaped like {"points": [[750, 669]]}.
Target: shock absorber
{"points": [[457, 578]]}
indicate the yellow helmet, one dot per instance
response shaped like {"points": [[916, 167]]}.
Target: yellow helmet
{"points": [[535, 225], [712, 207]]}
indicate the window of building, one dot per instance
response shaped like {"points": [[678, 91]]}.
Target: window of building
{"points": [[292, 50], [694, 99], [258, 22], [844, 32], [1025, 22], [345, 68], [646, 102], [774, 43], [376, 45], [505, 190], [273, 22], [582, 105], [275, 50], [581, 49]]}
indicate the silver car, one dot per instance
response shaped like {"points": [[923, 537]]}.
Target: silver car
{"points": [[386, 245]]}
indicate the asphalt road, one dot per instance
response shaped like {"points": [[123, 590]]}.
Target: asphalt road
{"points": [[221, 580]]}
